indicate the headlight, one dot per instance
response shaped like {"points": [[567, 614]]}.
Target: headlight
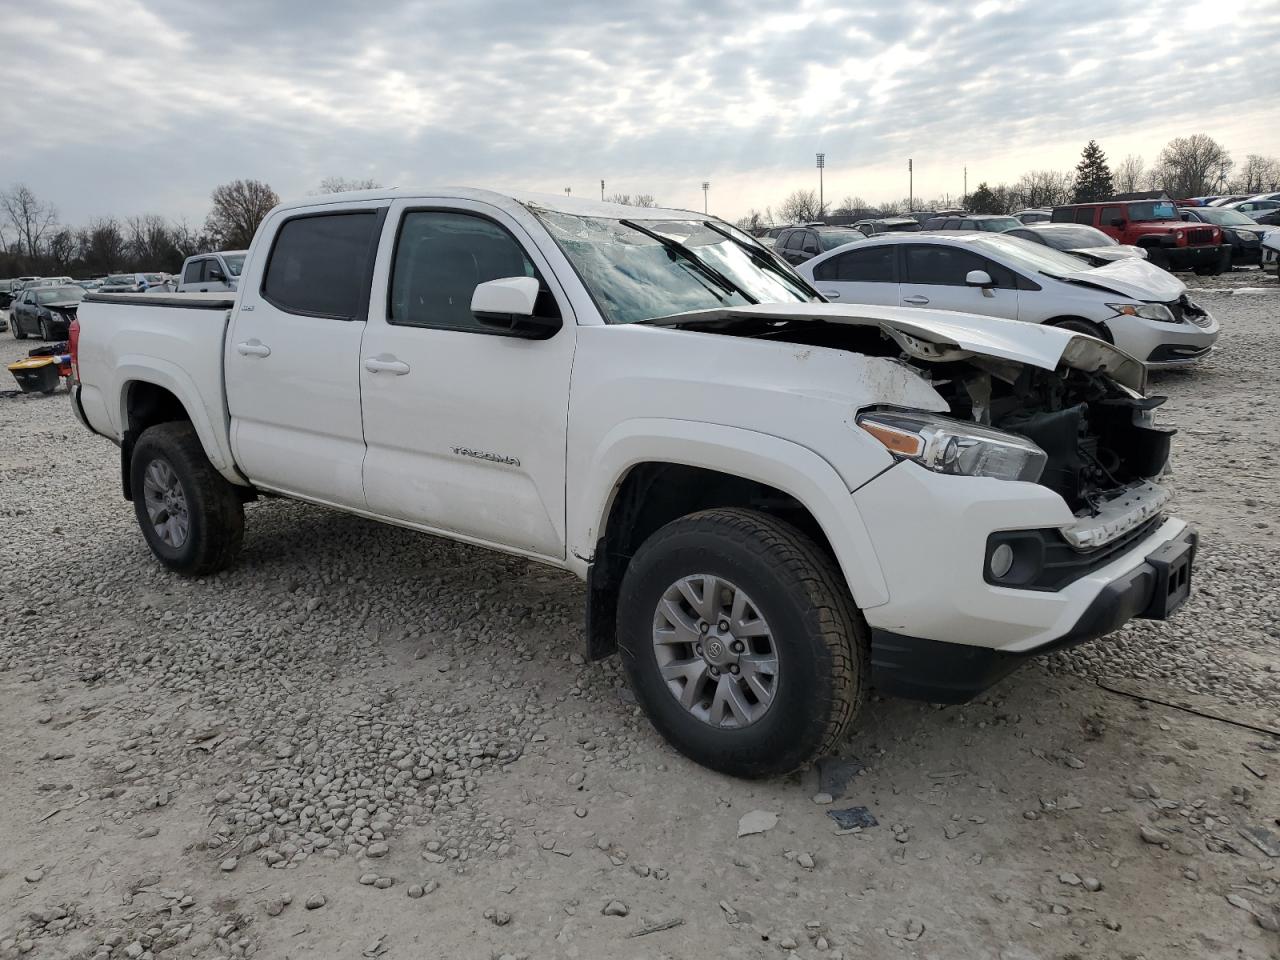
{"points": [[1149, 311], [1245, 236], [951, 446]]}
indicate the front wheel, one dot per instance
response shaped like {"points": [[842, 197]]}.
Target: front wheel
{"points": [[189, 514], [15, 327], [742, 642], [1080, 325], [46, 333], [1157, 258]]}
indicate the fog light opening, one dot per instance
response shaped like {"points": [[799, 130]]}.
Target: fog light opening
{"points": [[1001, 561]]}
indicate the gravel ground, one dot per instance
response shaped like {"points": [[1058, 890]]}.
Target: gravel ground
{"points": [[365, 742]]}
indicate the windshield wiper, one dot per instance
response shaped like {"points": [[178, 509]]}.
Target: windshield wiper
{"points": [[714, 275], [765, 260]]}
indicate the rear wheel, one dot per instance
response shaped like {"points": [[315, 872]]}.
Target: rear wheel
{"points": [[742, 642], [189, 514]]}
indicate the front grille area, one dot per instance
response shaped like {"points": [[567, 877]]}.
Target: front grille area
{"points": [[1184, 308], [1199, 235]]}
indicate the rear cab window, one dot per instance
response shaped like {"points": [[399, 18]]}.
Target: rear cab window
{"points": [[321, 264]]}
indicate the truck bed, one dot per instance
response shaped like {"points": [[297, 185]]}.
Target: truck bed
{"points": [[174, 341]]}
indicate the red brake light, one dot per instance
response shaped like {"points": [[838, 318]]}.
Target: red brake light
{"points": [[73, 341]]}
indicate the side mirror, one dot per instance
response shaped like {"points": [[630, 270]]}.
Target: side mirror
{"points": [[218, 275], [509, 304], [978, 278]]}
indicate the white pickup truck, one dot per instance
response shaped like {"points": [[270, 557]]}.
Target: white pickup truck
{"points": [[776, 502]]}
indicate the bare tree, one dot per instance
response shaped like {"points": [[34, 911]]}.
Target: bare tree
{"points": [[1191, 166], [30, 218], [1043, 188], [1130, 174], [238, 208], [852, 206], [636, 200], [754, 222], [801, 206], [1258, 174], [346, 184]]}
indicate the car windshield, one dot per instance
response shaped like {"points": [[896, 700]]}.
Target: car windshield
{"points": [[1075, 237], [234, 262], [60, 295], [1153, 210], [1031, 256], [830, 239], [999, 224], [634, 278], [1224, 218], [154, 277], [121, 278]]}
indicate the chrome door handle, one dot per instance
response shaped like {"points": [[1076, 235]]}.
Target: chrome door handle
{"points": [[916, 301], [831, 294], [386, 365], [253, 348]]}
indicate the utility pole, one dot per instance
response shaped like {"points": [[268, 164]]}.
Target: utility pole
{"points": [[706, 185], [822, 162], [602, 191], [566, 191], [911, 186], [966, 185]]}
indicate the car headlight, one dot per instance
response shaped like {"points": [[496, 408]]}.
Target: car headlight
{"points": [[944, 445], [1149, 311], [1245, 236]]}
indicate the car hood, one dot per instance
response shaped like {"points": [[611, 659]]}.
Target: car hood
{"points": [[943, 335], [1133, 278], [1113, 251]]}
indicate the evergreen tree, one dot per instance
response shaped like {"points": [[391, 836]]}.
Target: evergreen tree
{"points": [[984, 200], [1093, 176]]}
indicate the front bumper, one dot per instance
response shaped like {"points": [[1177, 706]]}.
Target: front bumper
{"points": [[918, 669], [1187, 258]]}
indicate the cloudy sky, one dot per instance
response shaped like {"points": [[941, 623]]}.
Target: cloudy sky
{"points": [[140, 106]]}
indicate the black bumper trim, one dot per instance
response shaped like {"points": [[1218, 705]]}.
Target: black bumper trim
{"points": [[939, 672]]}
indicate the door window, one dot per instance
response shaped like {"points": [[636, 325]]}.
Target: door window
{"points": [[194, 272], [810, 242], [320, 265], [941, 266], [441, 257], [870, 265], [1112, 216]]}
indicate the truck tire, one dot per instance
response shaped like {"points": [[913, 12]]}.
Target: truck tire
{"points": [[742, 642], [189, 514], [1157, 257]]}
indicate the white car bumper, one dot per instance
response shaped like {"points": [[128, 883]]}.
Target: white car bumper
{"points": [[948, 631]]}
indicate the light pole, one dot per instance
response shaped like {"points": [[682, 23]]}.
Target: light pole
{"points": [[601, 191], [822, 162], [964, 197], [706, 185], [911, 186], [566, 191]]}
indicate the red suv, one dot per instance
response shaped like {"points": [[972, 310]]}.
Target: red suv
{"points": [[1155, 226]]}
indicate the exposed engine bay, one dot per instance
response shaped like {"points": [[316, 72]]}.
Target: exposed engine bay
{"points": [[1099, 436]]}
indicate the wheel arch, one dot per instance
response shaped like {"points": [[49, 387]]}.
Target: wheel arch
{"points": [[1100, 327], [646, 479], [156, 391]]}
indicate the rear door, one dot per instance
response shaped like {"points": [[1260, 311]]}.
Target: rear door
{"points": [[466, 427], [865, 274], [292, 355], [934, 276]]}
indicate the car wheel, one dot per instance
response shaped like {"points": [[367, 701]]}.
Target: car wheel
{"points": [[16, 327], [45, 332], [190, 515], [1081, 325], [1157, 257], [742, 642]]}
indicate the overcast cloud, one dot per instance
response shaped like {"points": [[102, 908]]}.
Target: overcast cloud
{"points": [[145, 105]]}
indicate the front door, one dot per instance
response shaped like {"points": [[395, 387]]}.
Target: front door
{"points": [[292, 357], [465, 427], [933, 276]]}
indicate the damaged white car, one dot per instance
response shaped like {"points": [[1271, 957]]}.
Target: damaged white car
{"points": [[776, 502]]}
